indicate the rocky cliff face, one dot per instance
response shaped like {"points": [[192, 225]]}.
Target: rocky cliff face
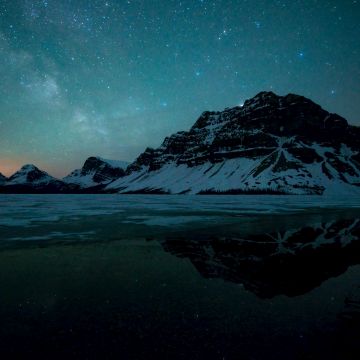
{"points": [[272, 144], [97, 171]]}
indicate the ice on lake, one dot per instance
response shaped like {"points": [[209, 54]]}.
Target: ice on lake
{"points": [[47, 216]]}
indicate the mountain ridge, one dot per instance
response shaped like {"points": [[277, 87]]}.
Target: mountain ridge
{"points": [[271, 145]]}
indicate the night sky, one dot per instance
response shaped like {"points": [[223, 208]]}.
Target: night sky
{"points": [[109, 78]]}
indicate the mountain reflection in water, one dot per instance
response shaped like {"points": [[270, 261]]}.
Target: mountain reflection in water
{"points": [[290, 262]]}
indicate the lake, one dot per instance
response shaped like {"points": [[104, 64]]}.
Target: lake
{"points": [[179, 277]]}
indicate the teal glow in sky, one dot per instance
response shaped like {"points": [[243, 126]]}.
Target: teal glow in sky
{"points": [[109, 78]]}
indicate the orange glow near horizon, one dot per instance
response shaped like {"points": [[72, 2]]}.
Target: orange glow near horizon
{"points": [[9, 166]]}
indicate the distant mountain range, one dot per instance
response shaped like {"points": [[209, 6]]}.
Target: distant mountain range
{"points": [[95, 174], [270, 145]]}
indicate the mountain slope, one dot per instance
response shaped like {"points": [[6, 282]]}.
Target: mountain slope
{"points": [[96, 171], [272, 144]]}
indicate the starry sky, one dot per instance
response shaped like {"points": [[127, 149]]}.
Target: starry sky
{"points": [[109, 78]]}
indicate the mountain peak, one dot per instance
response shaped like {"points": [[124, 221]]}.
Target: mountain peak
{"points": [[261, 98], [271, 97], [28, 167], [29, 173], [94, 162], [114, 163], [97, 171], [266, 95]]}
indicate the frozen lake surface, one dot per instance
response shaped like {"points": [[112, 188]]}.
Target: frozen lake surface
{"points": [[179, 277], [45, 217]]}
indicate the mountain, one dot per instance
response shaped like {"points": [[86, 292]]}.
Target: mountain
{"points": [[91, 178], [2, 179], [97, 171], [29, 179], [30, 174], [271, 144]]}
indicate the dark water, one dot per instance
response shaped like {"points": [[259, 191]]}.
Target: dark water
{"points": [[148, 277]]}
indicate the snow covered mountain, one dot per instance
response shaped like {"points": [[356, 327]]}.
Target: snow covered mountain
{"points": [[29, 179], [97, 171], [271, 144], [91, 178], [30, 174]]}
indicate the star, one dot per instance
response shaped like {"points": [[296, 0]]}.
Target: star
{"points": [[141, 70]]}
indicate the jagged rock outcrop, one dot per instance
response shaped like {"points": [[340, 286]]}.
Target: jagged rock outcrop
{"points": [[272, 144], [96, 171]]}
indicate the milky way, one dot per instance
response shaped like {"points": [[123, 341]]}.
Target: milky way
{"points": [[109, 78]]}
